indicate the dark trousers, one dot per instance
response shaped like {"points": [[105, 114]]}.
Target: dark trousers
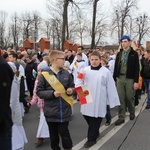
{"points": [[56, 129], [93, 127], [30, 84], [5, 140], [108, 114], [137, 96]]}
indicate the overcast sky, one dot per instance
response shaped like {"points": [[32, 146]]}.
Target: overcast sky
{"points": [[19, 6], [11, 6]]}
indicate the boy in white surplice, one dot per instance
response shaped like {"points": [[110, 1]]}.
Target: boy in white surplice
{"points": [[103, 91]]}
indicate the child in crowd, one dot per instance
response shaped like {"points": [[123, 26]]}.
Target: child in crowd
{"points": [[77, 65], [55, 86], [18, 133], [103, 91], [43, 131]]}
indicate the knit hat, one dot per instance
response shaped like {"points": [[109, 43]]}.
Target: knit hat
{"points": [[125, 37], [13, 67], [42, 65]]}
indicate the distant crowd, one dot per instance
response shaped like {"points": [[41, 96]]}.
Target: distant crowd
{"points": [[52, 79]]}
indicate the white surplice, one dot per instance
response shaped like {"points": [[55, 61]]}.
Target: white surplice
{"points": [[76, 68], [18, 133], [103, 91]]}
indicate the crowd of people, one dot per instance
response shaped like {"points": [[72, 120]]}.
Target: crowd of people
{"points": [[50, 78]]}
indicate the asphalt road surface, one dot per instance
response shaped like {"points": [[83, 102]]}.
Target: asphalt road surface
{"points": [[132, 135]]}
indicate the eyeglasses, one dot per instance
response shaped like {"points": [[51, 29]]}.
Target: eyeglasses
{"points": [[61, 58]]}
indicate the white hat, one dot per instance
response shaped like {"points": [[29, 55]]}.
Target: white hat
{"points": [[42, 65], [13, 67]]}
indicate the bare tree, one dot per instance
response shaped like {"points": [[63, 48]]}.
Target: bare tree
{"points": [[47, 29], [56, 33], [122, 12], [27, 21], [36, 25], [100, 30], [3, 16], [93, 23], [15, 28], [7, 39], [65, 29], [77, 26], [141, 28], [55, 12], [65, 21], [62, 13]]}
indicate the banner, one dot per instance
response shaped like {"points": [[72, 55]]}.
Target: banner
{"points": [[83, 94]]}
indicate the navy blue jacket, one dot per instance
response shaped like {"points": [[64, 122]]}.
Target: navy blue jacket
{"points": [[56, 109]]}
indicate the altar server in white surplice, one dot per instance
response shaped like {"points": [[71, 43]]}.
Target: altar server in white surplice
{"points": [[84, 57], [103, 92], [77, 65], [18, 134]]}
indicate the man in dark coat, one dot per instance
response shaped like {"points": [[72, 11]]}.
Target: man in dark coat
{"points": [[145, 73], [30, 73], [126, 75], [6, 77]]}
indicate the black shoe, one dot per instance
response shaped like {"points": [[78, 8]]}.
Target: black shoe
{"points": [[119, 122], [108, 122], [147, 107], [88, 144], [132, 117]]}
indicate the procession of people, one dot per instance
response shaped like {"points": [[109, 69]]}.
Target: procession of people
{"points": [[53, 79]]}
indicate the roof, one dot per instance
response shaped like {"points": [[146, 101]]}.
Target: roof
{"points": [[30, 40], [76, 44], [45, 39], [69, 41]]}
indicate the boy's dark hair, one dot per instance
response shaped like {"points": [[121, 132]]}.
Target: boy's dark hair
{"points": [[20, 56], [82, 48], [80, 54], [5, 55], [14, 55], [29, 56], [70, 50], [107, 52]]}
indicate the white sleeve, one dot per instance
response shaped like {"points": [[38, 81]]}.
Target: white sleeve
{"points": [[112, 94], [79, 81]]}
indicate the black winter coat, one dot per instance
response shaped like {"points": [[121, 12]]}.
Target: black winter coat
{"points": [[132, 65], [55, 109], [6, 78], [29, 70], [145, 72]]}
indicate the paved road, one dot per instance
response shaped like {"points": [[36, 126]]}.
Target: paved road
{"points": [[132, 135]]}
